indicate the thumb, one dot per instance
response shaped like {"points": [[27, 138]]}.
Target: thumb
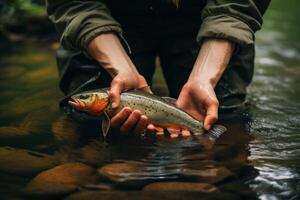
{"points": [[114, 93], [211, 115]]}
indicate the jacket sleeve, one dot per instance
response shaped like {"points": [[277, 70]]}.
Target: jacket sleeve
{"points": [[80, 21], [233, 20]]}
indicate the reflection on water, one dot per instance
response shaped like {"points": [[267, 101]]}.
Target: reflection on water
{"points": [[276, 95], [257, 158]]}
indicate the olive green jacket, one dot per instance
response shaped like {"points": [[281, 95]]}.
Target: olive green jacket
{"points": [[79, 21]]}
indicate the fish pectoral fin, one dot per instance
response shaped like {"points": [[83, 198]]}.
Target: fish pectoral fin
{"points": [[105, 124], [215, 132], [170, 100]]}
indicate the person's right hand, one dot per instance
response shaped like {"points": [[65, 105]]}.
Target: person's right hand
{"points": [[108, 51], [127, 120]]}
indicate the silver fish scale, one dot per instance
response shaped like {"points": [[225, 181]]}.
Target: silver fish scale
{"points": [[158, 110]]}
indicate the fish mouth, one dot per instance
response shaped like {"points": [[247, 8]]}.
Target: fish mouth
{"points": [[76, 103]]}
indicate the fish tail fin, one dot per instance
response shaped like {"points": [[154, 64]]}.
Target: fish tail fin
{"points": [[215, 132]]}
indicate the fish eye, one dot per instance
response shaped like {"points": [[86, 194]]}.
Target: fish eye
{"points": [[82, 96]]}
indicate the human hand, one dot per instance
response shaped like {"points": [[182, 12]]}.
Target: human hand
{"points": [[108, 51], [127, 120], [199, 100]]}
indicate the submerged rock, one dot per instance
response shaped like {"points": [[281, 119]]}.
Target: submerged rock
{"points": [[180, 186], [22, 161], [150, 195], [127, 174], [211, 175], [61, 180]]}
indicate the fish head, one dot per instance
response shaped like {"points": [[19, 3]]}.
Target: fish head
{"points": [[90, 102]]}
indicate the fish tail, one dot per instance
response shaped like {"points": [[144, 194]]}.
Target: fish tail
{"points": [[215, 132]]}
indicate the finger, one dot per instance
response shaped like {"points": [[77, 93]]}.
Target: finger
{"points": [[160, 133], [114, 92], [173, 136], [131, 121], [148, 89], [120, 117], [211, 115], [185, 133], [141, 125], [151, 127]]}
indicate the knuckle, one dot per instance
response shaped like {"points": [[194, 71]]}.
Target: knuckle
{"points": [[215, 102]]}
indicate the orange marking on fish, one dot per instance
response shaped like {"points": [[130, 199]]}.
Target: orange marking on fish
{"points": [[98, 106]]}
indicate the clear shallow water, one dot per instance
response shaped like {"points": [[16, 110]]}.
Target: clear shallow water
{"points": [[262, 150]]}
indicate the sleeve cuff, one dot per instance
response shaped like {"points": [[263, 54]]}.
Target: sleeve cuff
{"points": [[89, 36], [226, 27]]}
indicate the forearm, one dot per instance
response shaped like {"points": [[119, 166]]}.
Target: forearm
{"points": [[212, 60], [109, 52]]}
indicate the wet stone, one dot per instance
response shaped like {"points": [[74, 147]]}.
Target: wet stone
{"points": [[23, 162], [61, 180], [150, 195], [127, 174], [211, 175], [180, 186]]}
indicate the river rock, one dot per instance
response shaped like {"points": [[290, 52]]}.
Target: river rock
{"points": [[61, 180], [123, 174], [211, 175], [150, 195], [180, 186], [22, 161]]}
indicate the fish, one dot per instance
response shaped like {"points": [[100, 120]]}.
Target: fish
{"points": [[161, 111]]}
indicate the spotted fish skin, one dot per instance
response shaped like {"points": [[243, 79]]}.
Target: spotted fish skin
{"points": [[159, 111]]}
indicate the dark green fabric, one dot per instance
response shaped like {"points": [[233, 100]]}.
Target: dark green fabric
{"points": [[233, 20], [79, 21], [157, 28]]}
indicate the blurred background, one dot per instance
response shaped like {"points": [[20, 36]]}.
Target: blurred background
{"points": [[268, 142]]}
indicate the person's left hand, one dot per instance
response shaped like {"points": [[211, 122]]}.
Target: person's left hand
{"points": [[199, 100]]}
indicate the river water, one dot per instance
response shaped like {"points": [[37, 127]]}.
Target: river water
{"points": [[258, 158]]}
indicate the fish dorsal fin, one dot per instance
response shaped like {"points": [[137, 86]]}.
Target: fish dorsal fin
{"points": [[170, 100], [105, 124], [215, 132], [144, 88]]}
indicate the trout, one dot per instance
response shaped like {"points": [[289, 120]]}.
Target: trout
{"points": [[161, 111]]}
